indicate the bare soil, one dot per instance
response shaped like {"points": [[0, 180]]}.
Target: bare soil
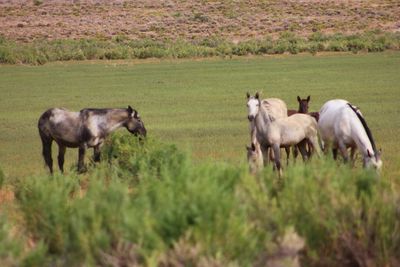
{"points": [[192, 19]]}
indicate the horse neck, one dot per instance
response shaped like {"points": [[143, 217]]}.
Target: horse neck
{"points": [[361, 138], [361, 135], [363, 143], [262, 120], [115, 118]]}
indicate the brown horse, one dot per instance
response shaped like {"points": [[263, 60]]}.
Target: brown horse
{"points": [[84, 129], [303, 108]]}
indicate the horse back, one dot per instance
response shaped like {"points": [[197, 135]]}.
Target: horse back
{"points": [[276, 107], [61, 125]]}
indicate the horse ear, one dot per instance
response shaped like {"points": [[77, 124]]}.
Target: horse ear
{"points": [[253, 147], [130, 109], [257, 95], [298, 99], [135, 115], [308, 98], [248, 95]]}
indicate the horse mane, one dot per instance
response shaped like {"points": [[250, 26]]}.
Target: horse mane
{"points": [[267, 108], [364, 123]]}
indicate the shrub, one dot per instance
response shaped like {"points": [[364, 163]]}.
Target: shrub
{"points": [[148, 204]]}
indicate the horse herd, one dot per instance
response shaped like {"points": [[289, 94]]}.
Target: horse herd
{"points": [[272, 126], [340, 125]]}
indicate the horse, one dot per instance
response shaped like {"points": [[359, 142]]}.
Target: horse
{"points": [[303, 108], [254, 157], [276, 107], [287, 131], [343, 126], [84, 129]]}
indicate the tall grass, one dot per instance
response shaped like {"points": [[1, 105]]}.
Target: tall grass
{"points": [[147, 204], [120, 47]]}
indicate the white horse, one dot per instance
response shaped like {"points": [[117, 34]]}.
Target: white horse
{"points": [[286, 131], [342, 126], [277, 108]]}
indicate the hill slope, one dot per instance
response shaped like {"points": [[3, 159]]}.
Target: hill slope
{"points": [[234, 21]]}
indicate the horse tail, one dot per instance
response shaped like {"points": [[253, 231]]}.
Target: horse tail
{"points": [[46, 139], [364, 123]]}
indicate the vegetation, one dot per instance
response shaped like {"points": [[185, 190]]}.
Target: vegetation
{"points": [[147, 204], [121, 47]]}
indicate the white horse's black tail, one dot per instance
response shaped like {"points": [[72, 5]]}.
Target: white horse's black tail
{"points": [[364, 123]]}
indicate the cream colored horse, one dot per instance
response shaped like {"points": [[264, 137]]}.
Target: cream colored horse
{"points": [[287, 131], [343, 126], [279, 110]]}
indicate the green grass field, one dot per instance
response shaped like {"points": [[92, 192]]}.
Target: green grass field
{"points": [[199, 105]]}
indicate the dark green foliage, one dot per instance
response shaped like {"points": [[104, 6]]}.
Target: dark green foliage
{"points": [[9, 248], [148, 204], [120, 47]]}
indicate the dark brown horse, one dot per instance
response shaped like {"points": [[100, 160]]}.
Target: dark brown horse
{"points": [[303, 108], [84, 129]]}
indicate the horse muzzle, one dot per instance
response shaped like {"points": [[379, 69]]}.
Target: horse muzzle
{"points": [[250, 117], [141, 132]]}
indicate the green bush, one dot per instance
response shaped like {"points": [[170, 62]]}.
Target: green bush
{"points": [[10, 249], [121, 47], [148, 204]]}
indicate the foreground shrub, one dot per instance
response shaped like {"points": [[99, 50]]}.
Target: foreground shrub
{"points": [[148, 204], [349, 218]]}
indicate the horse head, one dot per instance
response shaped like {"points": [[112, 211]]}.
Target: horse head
{"points": [[373, 160], [253, 105], [134, 124], [303, 104]]}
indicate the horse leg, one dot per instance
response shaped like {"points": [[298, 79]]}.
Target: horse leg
{"points": [[81, 158], [343, 151], [271, 155], [303, 150], [96, 153], [334, 152], [310, 148], [264, 151], [287, 149], [295, 153], [61, 153], [46, 151], [352, 153], [276, 148], [313, 141]]}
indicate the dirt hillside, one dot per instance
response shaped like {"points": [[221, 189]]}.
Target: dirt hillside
{"points": [[192, 19]]}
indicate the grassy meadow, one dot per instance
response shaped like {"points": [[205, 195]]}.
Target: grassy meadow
{"points": [[197, 104], [184, 196]]}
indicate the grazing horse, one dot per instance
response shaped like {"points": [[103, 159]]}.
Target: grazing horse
{"points": [[287, 131], [84, 129], [343, 126], [276, 107]]}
